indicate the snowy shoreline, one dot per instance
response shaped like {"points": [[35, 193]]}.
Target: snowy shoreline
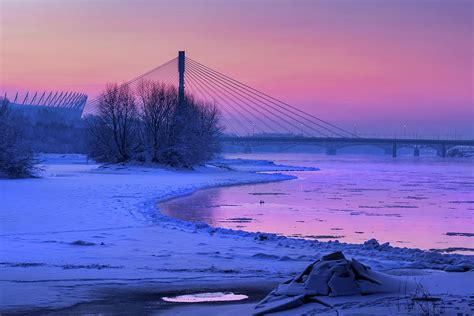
{"points": [[126, 243]]}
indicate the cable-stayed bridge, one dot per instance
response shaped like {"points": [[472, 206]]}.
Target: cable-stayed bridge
{"points": [[252, 118]]}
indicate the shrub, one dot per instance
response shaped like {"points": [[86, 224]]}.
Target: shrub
{"points": [[16, 158], [149, 124]]}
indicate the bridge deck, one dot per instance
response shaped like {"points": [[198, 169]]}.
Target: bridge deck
{"points": [[352, 140]]}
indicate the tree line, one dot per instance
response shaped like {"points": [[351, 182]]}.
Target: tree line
{"points": [[146, 123], [150, 124], [16, 156]]}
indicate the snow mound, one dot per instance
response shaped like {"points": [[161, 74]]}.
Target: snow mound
{"points": [[251, 165], [333, 275]]}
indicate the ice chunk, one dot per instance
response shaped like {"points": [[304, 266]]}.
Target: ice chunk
{"points": [[333, 275], [341, 285], [286, 303]]}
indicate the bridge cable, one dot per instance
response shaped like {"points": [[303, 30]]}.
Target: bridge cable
{"points": [[297, 128], [251, 94], [236, 109], [155, 71], [220, 97], [196, 90], [288, 105], [230, 102], [229, 95], [238, 97], [132, 80], [199, 90], [142, 78], [274, 99]]}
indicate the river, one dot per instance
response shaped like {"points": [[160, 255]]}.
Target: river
{"points": [[415, 202]]}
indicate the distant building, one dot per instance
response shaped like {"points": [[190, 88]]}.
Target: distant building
{"points": [[52, 106]]}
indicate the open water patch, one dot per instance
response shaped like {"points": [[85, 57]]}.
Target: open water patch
{"points": [[205, 297], [419, 203]]}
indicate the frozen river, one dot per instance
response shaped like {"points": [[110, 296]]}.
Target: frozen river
{"points": [[411, 202]]}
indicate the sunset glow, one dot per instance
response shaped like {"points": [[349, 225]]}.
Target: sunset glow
{"points": [[370, 65]]}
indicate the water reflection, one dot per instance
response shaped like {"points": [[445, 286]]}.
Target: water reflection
{"points": [[426, 203], [206, 297], [201, 208]]}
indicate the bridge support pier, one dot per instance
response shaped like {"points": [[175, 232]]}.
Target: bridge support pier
{"points": [[442, 151], [331, 145], [416, 152]]}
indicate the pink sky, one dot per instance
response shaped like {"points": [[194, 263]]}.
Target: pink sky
{"points": [[374, 64]]}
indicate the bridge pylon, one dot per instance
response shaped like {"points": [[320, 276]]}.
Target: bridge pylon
{"points": [[181, 69]]}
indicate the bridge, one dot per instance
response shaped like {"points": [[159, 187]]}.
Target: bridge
{"points": [[332, 144], [250, 117]]}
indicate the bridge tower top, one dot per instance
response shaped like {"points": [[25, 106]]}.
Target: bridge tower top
{"points": [[181, 62]]}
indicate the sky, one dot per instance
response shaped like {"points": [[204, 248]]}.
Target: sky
{"points": [[371, 66]]}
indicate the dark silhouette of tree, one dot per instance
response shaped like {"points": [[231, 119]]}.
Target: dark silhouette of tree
{"points": [[115, 131], [16, 157], [157, 102], [149, 124]]}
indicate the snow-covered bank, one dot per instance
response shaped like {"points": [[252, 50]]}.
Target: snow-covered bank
{"points": [[81, 230], [252, 165]]}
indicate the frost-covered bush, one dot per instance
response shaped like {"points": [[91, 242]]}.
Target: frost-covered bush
{"points": [[16, 157], [150, 124], [196, 133], [114, 132]]}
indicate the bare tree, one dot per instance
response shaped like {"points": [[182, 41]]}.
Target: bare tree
{"points": [[149, 124], [16, 158], [157, 102], [4, 108], [117, 127], [195, 132], [209, 130]]}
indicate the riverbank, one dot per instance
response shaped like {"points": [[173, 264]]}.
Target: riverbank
{"points": [[81, 233]]}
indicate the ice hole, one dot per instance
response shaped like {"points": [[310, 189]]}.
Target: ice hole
{"points": [[206, 297]]}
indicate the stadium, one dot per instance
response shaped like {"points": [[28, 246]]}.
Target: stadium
{"points": [[63, 106]]}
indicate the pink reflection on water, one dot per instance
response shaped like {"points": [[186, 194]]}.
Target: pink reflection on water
{"points": [[407, 202]]}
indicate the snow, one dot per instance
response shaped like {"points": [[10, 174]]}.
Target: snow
{"points": [[80, 229], [333, 276], [253, 165]]}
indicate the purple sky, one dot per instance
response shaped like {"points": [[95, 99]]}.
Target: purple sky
{"points": [[368, 65]]}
